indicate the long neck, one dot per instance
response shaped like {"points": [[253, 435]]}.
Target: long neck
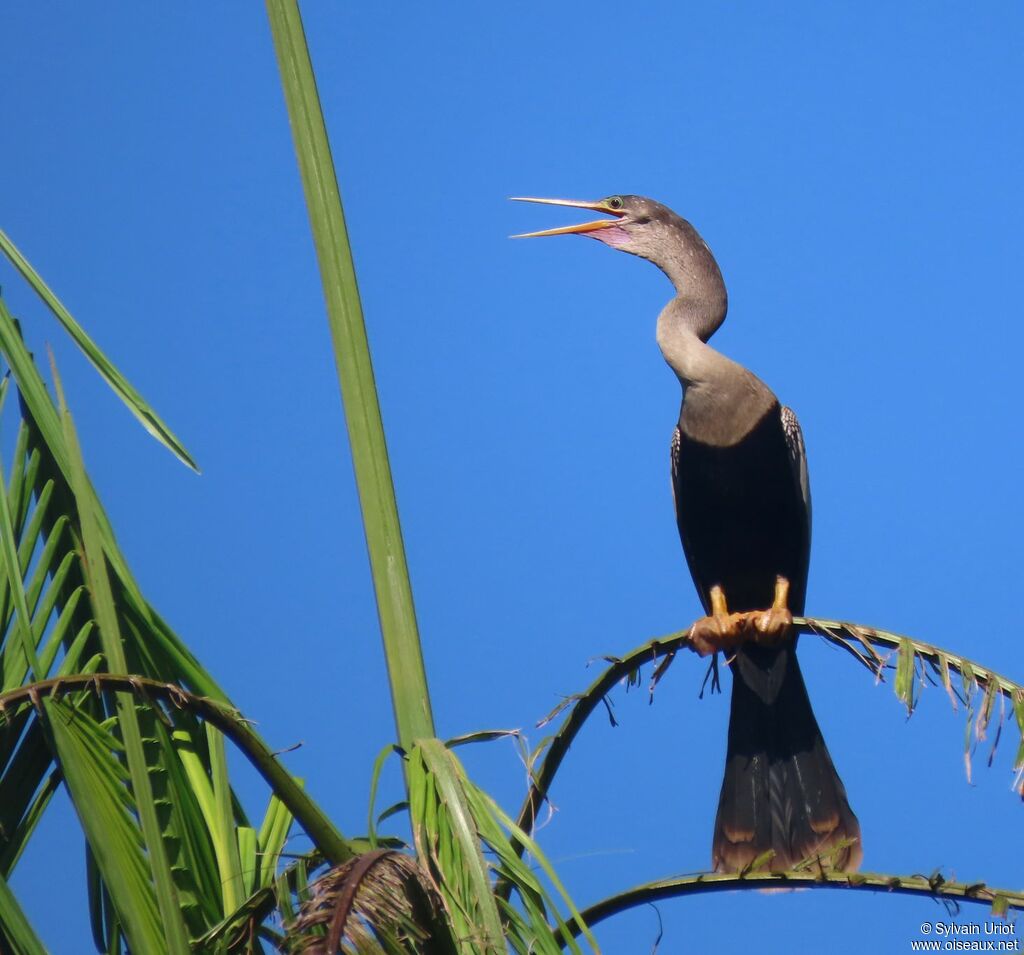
{"points": [[694, 315]]}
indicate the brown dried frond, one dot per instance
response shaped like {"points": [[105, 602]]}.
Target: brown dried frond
{"points": [[379, 902]]}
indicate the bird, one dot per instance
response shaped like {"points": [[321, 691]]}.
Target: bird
{"points": [[743, 510]]}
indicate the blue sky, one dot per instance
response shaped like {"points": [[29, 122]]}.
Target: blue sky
{"points": [[857, 171]]}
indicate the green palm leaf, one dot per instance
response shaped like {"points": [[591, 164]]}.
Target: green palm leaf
{"points": [[15, 929], [123, 388], [97, 783]]}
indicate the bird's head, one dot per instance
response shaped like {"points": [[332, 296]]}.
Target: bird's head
{"points": [[646, 228], [637, 225]]}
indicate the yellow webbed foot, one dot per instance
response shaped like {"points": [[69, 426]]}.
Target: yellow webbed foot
{"points": [[720, 630], [774, 625]]}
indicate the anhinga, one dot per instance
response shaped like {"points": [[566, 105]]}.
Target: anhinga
{"points": [[743, 506]]}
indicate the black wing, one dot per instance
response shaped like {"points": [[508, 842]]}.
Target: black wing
{"points": [[743, 511], [798, 457]]}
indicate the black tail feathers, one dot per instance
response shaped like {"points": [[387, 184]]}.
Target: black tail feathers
{"points": [[780, 791]]}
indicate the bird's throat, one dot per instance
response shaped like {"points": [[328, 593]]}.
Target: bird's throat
{"points": [[614, 235]]}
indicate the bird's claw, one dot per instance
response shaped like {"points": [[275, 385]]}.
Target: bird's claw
{"points": [[719, 632], [726, 632], [772, 626]]}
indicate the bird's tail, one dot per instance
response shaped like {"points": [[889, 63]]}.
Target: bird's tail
{"points": [[781, 791]]}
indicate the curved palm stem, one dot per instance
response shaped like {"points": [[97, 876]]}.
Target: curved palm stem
{"points": [[858, 640], [936, 887], [316, 825]]}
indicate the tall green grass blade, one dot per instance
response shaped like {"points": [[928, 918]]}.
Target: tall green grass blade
{"points": [[409, 694], [123, 388]]}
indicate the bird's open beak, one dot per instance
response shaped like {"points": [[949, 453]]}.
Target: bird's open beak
{"points": [[583, 227]]}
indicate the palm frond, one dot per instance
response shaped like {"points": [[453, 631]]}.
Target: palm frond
{"points": [[174, 932], [984, 693], [123, 388], [999, 901], [454, 824], [379, 903], [16, 933], [69, 610], [918, 665], [98, 786], [410, 698]]}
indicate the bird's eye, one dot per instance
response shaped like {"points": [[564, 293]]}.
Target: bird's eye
{"points": [[615, 202]]}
